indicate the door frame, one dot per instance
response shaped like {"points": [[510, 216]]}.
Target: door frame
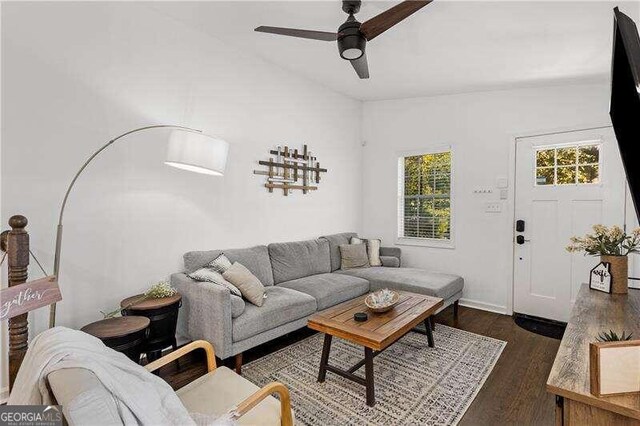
{"points": [[511, 200]]}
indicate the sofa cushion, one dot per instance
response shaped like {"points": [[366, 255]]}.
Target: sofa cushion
{"points": [[329, 289], [335, 240], [218, 391], [281, 306], [410, 279], [237, 306], [390, 261], [256, 259], [299, 259]]}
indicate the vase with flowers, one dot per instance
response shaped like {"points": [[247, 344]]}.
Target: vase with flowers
{"points": [[613, 245]]}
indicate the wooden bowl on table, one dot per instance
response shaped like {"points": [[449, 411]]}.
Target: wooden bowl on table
{"points": [[378, 309]]}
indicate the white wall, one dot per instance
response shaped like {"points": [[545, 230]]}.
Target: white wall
{"points": [[76, 74], [480, 127]]}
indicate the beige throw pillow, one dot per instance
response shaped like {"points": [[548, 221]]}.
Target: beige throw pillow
{"points": [[248, 284], [373, 249], [353, 256]]}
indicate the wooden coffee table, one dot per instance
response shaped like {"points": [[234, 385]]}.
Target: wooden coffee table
{"points": [[376, 334]]}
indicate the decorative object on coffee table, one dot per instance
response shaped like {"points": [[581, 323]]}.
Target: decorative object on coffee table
{"points": [[613, 245], [382, 300], [189, 149], [376, 334], [163, 315], [288, 168], [123, 334]]}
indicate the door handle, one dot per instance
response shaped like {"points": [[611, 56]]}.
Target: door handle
{"points": [[521, 240]]}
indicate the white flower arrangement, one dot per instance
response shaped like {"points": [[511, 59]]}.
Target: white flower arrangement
{"points": [[607, 241]]}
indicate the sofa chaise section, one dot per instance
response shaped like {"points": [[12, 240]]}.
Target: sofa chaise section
{"points": [[446, 286]]}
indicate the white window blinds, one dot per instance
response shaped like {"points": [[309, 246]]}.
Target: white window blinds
{"points": [[425, 196]]}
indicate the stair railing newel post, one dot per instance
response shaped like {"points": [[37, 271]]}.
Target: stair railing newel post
{"points": [[17, 246]]}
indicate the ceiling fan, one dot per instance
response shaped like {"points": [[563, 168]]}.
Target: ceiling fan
{"points": [[352, 36]]}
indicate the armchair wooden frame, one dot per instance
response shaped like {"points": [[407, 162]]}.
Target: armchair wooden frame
{"points": [[245, 406]]}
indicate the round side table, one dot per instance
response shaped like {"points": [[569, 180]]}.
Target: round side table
{"points": [[163, 314], [123, 334]]}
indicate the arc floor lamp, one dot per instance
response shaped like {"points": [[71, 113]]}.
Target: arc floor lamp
{"points": [[189, 149]]}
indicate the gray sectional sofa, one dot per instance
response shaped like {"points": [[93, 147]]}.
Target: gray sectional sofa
{"points": [[301, 278]]}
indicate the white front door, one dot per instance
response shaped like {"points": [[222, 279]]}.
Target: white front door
{"points": [[565, 183]]}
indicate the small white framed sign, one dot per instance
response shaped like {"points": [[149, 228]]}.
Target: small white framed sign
{"points": [[600, 277]]}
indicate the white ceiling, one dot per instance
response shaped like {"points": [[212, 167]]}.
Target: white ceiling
{"points": [[447, 47]]}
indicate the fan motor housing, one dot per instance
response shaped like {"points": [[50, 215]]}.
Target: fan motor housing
{"points": [[351, 42]]}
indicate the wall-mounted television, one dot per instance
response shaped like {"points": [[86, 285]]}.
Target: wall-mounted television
{"points": [[625, 99]]}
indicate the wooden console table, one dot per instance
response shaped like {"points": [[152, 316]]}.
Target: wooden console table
{"points": [[593, 313]]}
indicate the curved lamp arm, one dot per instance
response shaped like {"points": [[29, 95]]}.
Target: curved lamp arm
{"points": [[56, 262]]}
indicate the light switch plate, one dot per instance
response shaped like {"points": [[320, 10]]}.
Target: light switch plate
{"points": [[502, 182], [493, 207]]}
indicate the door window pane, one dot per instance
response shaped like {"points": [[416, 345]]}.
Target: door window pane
{"points": [[588, 174], [545, 176], [566, 175], [546, 158], [566, 156], [589, 154]]}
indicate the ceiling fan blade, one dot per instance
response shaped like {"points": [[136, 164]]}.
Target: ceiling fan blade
{"points": [[361, 66], [387, 19], [314, 35]]}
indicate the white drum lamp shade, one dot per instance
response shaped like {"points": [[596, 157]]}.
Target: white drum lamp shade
{"points": [[197, 152]]}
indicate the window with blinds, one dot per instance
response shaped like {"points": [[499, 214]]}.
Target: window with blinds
{"points": [[425, 196]]}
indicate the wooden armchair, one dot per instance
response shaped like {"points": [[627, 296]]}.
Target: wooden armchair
{"points": [[221, 389]]}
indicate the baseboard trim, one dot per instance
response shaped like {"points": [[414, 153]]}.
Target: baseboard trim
{"points": [[483, 306]]}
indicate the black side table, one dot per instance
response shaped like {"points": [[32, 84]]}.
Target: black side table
{"points": [[123, 334], [163, 314]]}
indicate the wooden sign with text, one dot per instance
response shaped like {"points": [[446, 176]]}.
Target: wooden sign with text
{"points": [[26, 297]]}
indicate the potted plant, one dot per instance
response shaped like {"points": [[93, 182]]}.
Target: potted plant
{"points": [[613, 245]]}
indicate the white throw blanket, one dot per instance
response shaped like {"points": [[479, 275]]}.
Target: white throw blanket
{"points": [[142, 397]]}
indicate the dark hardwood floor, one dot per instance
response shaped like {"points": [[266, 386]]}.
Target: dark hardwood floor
{"points": [[514, 393]]}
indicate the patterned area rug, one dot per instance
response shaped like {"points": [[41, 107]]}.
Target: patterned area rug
{"points": [[414, 384]]}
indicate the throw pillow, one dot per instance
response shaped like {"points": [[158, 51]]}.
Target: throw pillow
{"points": [[248, 284], [211, 276], [373, 249], [356, 240], [220, 264], [353, 256]]}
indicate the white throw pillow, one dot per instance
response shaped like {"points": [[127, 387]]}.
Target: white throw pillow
{"points": [[373, 249], [211, 276], [220, 264]]}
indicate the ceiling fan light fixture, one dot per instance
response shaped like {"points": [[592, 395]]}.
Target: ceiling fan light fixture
{"points": [[351, 47], [351, 54]]}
